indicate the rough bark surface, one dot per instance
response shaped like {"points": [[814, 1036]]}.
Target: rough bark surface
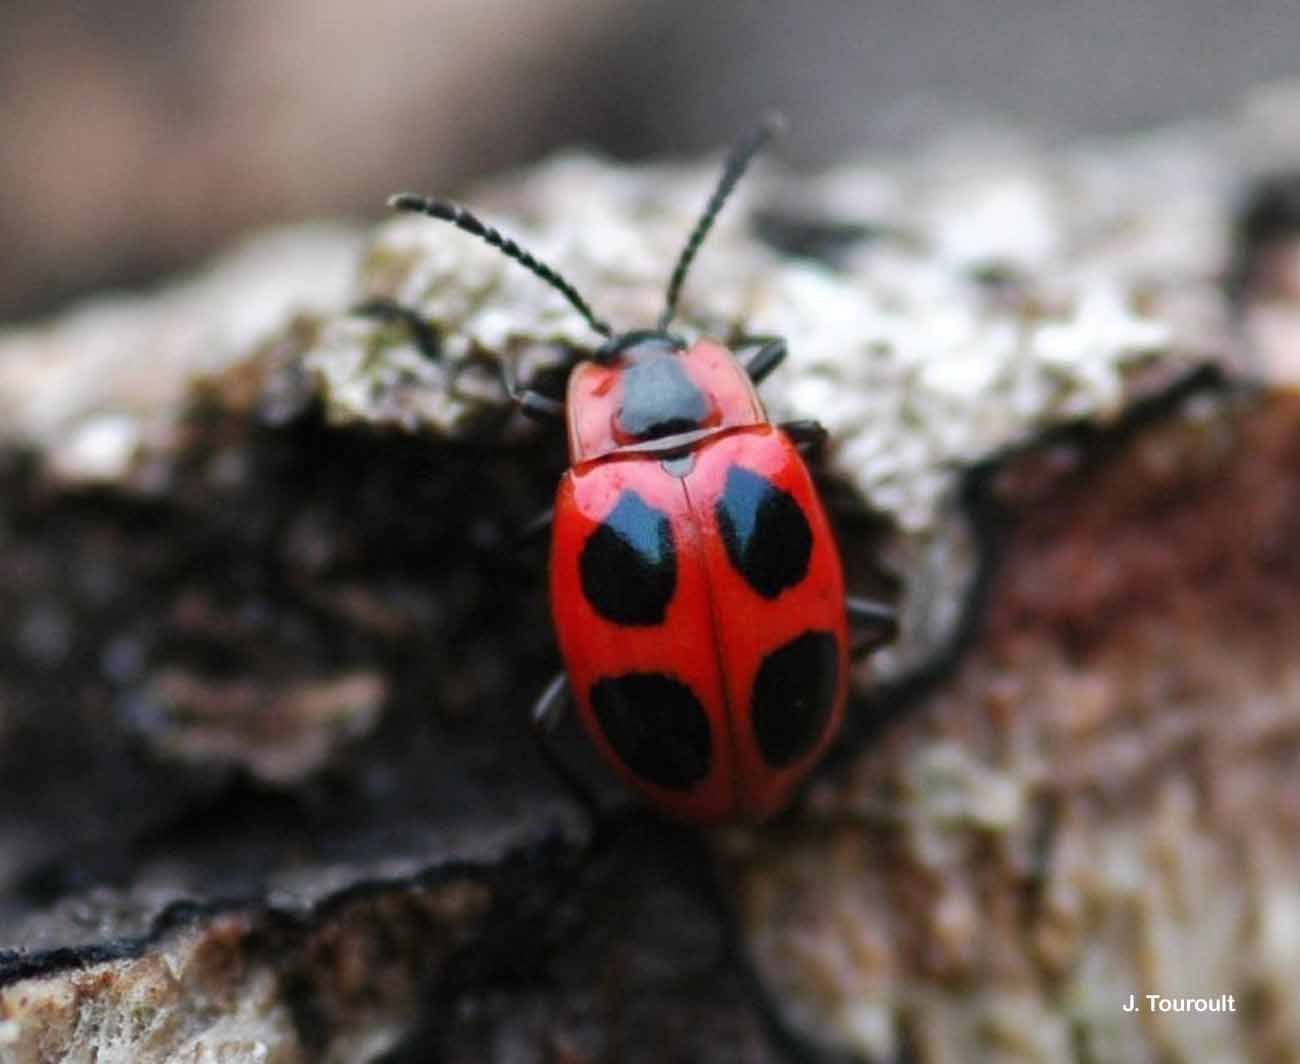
{"points": [[268, 791]]}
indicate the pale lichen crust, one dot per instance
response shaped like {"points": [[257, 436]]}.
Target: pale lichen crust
{"points": [[998, 285], [98, 390]]}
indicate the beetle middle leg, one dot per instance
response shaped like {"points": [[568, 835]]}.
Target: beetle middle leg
{"points": [[536, 528], [878, 619], [547, 713], [807, 435]]}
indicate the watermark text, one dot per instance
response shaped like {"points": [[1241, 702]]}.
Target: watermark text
{"points": [[1160, 1003]]}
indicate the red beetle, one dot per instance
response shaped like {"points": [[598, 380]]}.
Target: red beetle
{"points": [[695, 583]]}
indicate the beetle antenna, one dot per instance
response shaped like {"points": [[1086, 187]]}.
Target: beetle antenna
{"points": [[742, 153], [463, 219]]}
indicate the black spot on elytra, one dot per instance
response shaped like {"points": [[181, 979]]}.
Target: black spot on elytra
{"points": [[659, 399], [794, 694], [657, 727], [766, 533], [629, 563]]}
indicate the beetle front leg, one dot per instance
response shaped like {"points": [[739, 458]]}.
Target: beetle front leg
{"points": [[539, 407], [531, 402], [770, 354], [387, 310]]}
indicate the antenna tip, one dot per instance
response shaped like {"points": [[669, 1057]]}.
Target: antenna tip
{"points": [[774, 123]]}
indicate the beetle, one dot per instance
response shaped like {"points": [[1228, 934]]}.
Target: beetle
{"points": [[695, 583]]}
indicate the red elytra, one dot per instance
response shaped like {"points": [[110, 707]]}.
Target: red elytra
{"points": [[696, 588], [717, 628]]}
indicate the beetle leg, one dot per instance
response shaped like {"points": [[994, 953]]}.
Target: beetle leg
{"points": [[879, 618], [535, 528], [424, 335], [807, 435], [539, 407], [547, 712], [549, 708], [531, 402], [770, 355]]}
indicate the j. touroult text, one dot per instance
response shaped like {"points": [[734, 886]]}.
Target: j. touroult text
{"points": [[1160, 1003]]}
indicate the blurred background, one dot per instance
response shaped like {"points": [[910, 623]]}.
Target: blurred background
{"points": [[138, 136]]}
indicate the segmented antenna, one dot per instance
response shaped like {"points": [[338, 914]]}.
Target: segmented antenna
{"points": [[737, 162], [463, 219]]}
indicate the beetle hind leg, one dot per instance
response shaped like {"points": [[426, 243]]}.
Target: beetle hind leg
{"points": [[807, 435]]}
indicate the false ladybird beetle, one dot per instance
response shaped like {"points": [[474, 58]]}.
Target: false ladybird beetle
{"points": [[695, 583]]}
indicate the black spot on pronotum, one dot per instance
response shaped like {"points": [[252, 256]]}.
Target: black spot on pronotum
{"points": [[659, 399], [766, 533], [657, 727], [794, 694], [629, 563]]}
